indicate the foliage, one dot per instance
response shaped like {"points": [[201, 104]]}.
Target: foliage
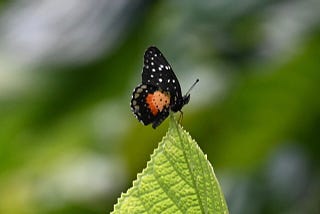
{"points": [[177, 179]]}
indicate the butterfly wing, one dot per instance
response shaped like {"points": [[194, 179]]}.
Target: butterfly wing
{"points": [[139, 106], [158, 72]]}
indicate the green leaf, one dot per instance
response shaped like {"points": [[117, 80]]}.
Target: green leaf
{"points": [[178, 179]]}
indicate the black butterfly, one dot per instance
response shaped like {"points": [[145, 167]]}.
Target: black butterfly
{"points": [[159, 92]]}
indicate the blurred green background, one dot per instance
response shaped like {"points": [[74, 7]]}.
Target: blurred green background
{"points": [[69, 143]]}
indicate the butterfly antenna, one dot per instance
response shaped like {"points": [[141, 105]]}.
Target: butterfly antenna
{"points": [[197, 80]]}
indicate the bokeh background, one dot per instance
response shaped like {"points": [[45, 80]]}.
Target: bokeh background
{"points": [[69, 143]]}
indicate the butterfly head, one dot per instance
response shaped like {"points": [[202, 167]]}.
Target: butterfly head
{"points": [[186, 97]]}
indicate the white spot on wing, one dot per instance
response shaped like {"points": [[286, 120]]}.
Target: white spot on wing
{"points": [[160, 80]]}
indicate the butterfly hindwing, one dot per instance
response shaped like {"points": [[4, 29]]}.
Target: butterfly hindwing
{"points": [[139, 105], [142, 109]]}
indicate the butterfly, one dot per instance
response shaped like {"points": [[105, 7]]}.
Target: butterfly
{"points": [[159, 91]]}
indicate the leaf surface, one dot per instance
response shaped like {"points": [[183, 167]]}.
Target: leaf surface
{"points": [[177, 179]]}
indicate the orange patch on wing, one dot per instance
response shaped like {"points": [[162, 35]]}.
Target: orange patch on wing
{"points": [[157, 101]]}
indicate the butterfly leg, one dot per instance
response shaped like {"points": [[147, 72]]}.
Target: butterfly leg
{"points": [[181, 116]]}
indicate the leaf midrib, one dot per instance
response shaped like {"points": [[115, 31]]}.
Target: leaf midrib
{"points": [[189, 168]]}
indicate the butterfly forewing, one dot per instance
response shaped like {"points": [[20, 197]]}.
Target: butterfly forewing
{"points": [[158, 72]]}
